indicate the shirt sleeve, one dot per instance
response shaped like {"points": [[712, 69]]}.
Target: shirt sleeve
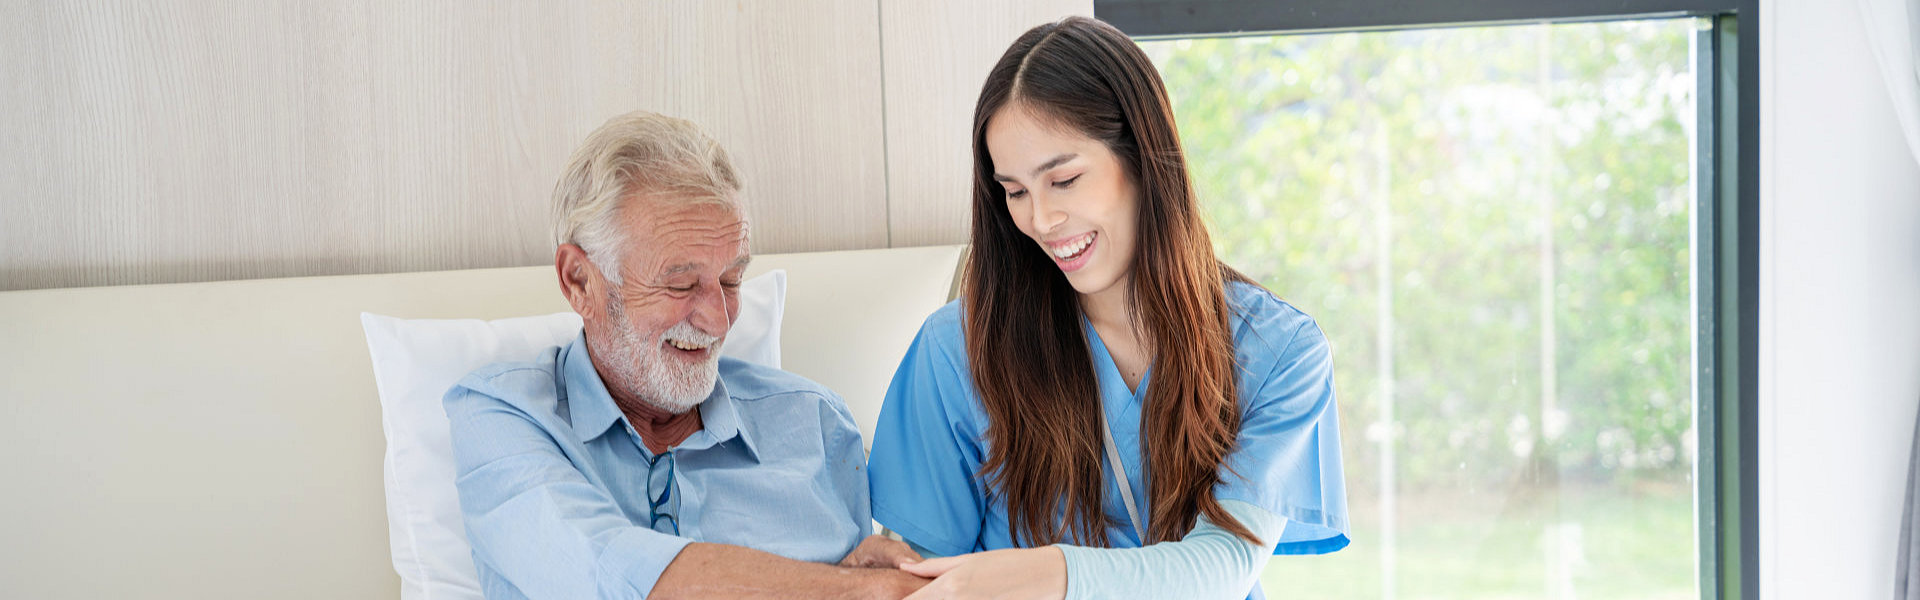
{"points": [[846, 465], [1287, 460], [1209, 562], [534, 519], [925, 452]]}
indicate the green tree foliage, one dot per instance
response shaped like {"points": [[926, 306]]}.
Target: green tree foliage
{"points": [[1471, 139], [1520, 199]]}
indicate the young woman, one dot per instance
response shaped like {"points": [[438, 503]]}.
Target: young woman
{"points": [[1108, 411]]}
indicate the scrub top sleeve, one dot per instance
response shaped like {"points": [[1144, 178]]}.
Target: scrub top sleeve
{"points": [[1287, 459], [926, 450]]}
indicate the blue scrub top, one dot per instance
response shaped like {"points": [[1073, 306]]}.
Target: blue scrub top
{"points": [[929, 445]]}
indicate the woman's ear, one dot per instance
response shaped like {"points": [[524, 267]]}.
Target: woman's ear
{"points": [[580, 281]]}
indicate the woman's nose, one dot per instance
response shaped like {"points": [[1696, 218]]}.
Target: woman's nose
{"points": [[1046, 214]]}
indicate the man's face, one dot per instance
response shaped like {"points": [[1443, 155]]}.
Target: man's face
{"points": [[658, 335]]}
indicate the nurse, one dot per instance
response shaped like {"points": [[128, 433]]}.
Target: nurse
{"points": [[1108, 411]]}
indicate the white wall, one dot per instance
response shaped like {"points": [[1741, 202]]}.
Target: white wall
{"points": [[1840, 307]]}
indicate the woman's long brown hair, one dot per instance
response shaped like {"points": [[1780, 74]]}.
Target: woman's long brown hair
{"points": [[1031, 362]]}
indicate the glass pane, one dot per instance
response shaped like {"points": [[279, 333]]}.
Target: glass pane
{"points": [[1491, 224]]}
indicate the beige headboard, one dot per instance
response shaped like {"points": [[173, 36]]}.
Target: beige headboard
{"points": [[222, 440]]}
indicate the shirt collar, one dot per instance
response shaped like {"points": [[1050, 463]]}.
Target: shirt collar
{"points": [[590, 406], [719, 422], [593, 411]]}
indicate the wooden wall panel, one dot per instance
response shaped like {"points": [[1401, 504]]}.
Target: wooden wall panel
{"points": [[182, 141], [937, 56], [792, 89]]}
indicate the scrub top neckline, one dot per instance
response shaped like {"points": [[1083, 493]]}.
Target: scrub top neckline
{"points": [[1109, 371], [1107, 374]]}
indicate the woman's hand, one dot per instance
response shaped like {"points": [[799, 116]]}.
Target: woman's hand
{"points": [[1020, 574], [880, 552]]}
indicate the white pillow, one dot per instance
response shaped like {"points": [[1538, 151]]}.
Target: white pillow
{"points": [[415, 362]]}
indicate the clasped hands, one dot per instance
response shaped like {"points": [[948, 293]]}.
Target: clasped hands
{"points": [[1015, 574]]}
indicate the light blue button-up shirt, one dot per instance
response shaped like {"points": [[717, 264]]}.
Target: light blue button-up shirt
{"points": [[554, 483]]}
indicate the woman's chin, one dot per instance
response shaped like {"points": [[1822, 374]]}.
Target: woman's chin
{"points": [[1092, 284]]}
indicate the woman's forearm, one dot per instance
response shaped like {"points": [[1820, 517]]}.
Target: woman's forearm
{"points": [[1208, 563]]}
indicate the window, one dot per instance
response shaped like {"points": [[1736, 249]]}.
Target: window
{"points": [[1496, 228]]}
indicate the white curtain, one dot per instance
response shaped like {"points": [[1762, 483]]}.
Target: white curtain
{"points": [[1906, 570], [1893, 29]]}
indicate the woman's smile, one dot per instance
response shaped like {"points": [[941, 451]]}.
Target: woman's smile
{"points": [[1072, 253]]}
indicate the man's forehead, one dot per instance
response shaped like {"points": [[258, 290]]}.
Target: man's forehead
{"points": [[668, 207], [663, 215], [676, 237]]}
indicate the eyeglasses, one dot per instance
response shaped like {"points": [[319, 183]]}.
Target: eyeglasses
{"points": [[662, 480]]}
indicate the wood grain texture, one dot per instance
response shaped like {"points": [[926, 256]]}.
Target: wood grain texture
{"points": [[182, 141], [937, 55]]}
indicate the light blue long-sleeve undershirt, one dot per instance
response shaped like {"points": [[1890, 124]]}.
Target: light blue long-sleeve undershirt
{"points": [[1208, 563]]}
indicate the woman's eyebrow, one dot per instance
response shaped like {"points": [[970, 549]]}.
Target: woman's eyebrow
{"points": [[1054, 162], [1051, 163]]}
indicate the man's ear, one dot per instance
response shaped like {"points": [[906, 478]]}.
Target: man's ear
{"points": [[580, 281]]}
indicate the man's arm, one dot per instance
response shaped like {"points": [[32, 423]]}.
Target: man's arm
{"points": [[535, 520], [705, 570]]}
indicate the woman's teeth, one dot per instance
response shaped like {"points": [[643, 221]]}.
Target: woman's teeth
{"points": [[1069, 250]]}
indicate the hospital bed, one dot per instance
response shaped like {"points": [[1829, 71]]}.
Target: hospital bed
{"points": [[224, 439]]}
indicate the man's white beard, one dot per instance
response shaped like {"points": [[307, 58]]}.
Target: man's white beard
{"points": [[666, 382]]}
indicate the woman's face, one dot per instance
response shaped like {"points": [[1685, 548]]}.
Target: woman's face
{"points": [[1069, 194]]}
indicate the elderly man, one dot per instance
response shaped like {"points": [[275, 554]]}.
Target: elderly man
{"points": [[636, 461]]}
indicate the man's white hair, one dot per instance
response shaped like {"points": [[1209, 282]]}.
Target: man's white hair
{"points": [[634, 155]]}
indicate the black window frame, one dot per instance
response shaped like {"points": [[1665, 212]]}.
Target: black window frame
{"points": [[1727, 235]]}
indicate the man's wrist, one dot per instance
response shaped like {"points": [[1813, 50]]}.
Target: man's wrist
{"points": [[890, 584]]}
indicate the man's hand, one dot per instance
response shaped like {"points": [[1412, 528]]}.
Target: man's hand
{"points": [[879, 552]]}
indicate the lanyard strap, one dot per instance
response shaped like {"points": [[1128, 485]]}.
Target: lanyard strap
{"points": [[1120, 478]]}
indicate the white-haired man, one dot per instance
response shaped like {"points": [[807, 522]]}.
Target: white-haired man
{"points": [[635, 461]]}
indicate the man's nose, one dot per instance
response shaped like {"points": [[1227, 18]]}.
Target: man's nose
{"points": [[710, 311]]}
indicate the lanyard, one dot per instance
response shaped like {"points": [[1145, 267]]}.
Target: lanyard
{"points": [[1120, 478]]}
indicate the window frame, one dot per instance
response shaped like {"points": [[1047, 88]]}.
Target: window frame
{"points": [[1726, 264]]}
